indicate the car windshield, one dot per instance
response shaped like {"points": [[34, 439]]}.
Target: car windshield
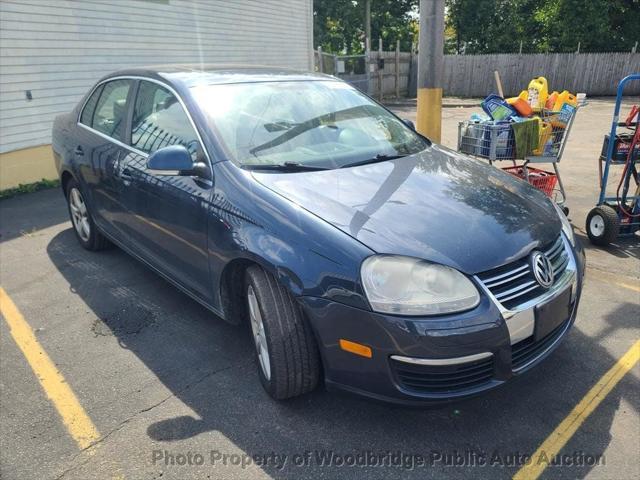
{"points": [[305, 124]]}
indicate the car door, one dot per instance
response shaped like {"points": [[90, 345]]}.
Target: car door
{"points": [[101, 145], [169, 211]]}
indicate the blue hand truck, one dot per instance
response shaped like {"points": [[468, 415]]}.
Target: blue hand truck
{"points": [[619, 215]]}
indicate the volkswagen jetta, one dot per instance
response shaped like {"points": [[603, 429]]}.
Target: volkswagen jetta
{"points": [[362, 254]]}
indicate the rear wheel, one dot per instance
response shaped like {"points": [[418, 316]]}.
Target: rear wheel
{"points": [[288, 358], [85, 229], [602, 225]]}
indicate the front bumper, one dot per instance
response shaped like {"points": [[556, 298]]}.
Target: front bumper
{"points": [[418, 361]]}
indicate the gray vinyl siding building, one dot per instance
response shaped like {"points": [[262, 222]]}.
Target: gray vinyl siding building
{"points": [[54, 50]]}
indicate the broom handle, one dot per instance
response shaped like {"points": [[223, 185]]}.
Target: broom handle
{"points": [[496, 74]]}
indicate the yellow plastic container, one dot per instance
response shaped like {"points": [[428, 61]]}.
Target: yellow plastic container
{"points": [[565, 97], [545, 130], [538, 92], [563, 108]]}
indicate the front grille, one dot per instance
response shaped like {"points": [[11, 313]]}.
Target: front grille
{"points": [[514, 284], [434, 379], [528, 349]]}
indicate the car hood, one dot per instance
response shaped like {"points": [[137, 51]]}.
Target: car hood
{"points": [[437, 205]]}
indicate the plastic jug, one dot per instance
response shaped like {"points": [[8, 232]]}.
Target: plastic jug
{"points": [[521, 104], [538, 93], [551, 101], [545, 130], [497, 108], [565, 98], [563, 109]]}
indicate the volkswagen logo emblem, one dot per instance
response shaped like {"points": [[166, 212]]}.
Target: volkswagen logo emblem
{"points": [[542, 269]]}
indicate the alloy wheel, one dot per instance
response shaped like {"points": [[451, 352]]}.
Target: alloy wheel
{"points": [[79, 214], [259, 335]]}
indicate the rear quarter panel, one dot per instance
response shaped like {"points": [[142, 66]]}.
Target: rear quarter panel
{"points": [[61, 141]]}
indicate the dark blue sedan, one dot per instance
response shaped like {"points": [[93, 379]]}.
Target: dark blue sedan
{"points": [[362, 254]]}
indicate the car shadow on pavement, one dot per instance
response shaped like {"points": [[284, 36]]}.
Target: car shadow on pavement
{"points": [[210, 367], [31, 213]]}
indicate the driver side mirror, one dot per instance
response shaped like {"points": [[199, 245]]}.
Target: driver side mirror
{"points": [[409, 123], [176, 160]]}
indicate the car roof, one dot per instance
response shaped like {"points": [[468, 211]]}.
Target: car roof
{"points": [[208, 74]]}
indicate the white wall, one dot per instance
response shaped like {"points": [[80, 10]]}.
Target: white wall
{"points": [[59, 48]]}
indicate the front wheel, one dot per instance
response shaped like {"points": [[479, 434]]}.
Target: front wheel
{"points": [[602, 225], [85, 229], [288, 358]]}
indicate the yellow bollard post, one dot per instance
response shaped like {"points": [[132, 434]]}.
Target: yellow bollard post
{"points": [[430, 69]]}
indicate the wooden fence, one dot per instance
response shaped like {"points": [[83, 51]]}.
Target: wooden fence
{"points": [[595, 74], [592, 73], [378, 73]]}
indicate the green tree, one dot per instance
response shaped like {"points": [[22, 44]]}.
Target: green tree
{"points": [[339, 24], [498, 26], [492, 26], [599, 25]]}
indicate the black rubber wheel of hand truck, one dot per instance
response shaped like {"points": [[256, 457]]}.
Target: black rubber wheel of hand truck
{"points": [[602, 225]]}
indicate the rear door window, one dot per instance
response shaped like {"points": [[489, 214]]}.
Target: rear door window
{"points": [[159, 121], [87, 113], [110, 113]]}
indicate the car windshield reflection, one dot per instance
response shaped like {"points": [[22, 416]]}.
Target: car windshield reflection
{"points": [[322, 124]]}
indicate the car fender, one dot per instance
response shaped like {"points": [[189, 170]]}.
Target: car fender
{"points": [[309, 256]]}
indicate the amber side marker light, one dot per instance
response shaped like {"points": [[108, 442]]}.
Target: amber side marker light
{"points": [[356, 348]]}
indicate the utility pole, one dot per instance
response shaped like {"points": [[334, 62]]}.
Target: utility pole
{"points": [[367, 21], [430, 68]]}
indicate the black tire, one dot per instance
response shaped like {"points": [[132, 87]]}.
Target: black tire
{"points": [[292, 351], [602, 225], [94, 241]]}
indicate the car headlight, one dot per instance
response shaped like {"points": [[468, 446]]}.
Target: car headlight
{"points": [[410, 286], [566, 225]]}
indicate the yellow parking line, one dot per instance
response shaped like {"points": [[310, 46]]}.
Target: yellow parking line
{"points": [[628, 286], [78, 423], [563, 433]]}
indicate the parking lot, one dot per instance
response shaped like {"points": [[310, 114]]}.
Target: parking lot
{"points": [[163, 389]]}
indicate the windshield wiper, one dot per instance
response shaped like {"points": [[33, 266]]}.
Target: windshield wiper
{"points": [[329, 119], [378, 158], [279, 126], [283, 167]]}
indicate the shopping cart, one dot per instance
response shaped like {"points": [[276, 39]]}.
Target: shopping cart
{"points": [[490, 140], [495, 141]]}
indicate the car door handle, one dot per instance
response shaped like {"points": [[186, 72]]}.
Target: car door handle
{"points": [[79, 150]]}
